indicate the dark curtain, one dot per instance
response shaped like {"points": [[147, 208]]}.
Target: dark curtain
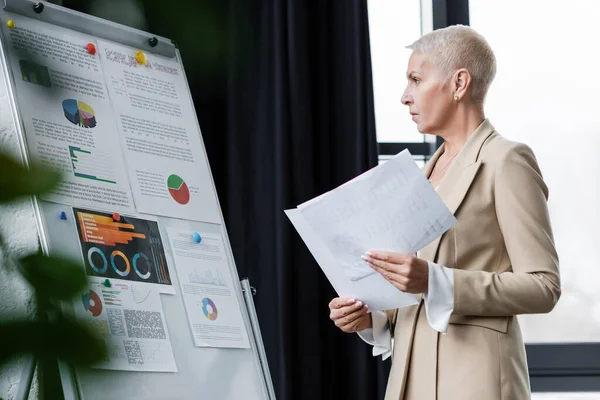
{"points": [[300, 122], [284, 96]]}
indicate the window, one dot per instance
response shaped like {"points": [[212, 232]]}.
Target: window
{"points": [[565, 396], [393, 25], [545, 95]]}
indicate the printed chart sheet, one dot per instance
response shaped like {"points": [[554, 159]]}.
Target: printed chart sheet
{"points": [[210, 301], [130, 318], [67, 115], [161, 140], [129, 249]]}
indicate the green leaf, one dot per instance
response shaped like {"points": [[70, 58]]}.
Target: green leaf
{"points": [[65, 339], [17, 181], [53, 277]]}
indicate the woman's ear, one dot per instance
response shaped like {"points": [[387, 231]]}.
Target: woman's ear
{"points": [[461, 82]]}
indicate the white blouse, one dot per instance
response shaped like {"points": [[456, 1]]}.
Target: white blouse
{"points": [[439, 304]]}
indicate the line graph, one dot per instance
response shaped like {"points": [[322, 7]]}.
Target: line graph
{"points": [[210, 277]]}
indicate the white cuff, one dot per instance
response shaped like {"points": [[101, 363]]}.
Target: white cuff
{"points": [[379, 335], [439, 299]]}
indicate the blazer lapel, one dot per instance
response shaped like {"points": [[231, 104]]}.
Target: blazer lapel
{"points": [[459, 176]]}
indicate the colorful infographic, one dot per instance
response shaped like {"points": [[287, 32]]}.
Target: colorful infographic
{"points": [[79, 113], [178, 189], [122, 248], [92, 303]]}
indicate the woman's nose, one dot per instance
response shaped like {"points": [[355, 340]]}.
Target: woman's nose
{"points": [[406, 99]]}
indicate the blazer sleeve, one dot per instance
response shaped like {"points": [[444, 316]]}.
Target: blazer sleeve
{"points": [[533, 285]]}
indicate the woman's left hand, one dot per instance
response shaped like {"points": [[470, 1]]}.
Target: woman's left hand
{"points": [[406, 272]]}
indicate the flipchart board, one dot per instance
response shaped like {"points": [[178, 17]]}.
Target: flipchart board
{"points": [[110, 107]]}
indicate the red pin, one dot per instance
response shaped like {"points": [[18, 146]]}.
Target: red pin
{"points": [[91, 48], [116, 217]]}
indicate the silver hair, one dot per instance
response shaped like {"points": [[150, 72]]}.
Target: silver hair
{"points": [[460, 46]]}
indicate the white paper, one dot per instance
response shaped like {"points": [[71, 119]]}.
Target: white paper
{"points": [[164, 152], [130, 318], [206, 283], [67, 114], [391, 207], [373, 290]]}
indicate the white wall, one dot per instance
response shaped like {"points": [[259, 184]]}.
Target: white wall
{"points": [[18, 227]]}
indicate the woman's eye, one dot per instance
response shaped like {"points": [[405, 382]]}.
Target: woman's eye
{"points": [[415, 80]]}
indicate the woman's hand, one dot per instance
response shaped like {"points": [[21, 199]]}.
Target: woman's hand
{"points": [[408, 273], [349, 314]]}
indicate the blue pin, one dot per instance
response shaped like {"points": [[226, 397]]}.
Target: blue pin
{"points": [[197, 238], [63, 215]]}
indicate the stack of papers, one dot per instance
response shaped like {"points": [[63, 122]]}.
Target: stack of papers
{"points": [[391, 207]]}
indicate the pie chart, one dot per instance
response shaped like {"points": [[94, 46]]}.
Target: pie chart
{"points": [[178, 189], [92, 303], [79, 113]]}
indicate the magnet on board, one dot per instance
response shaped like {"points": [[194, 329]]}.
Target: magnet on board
{"points": [[63, 215], [116, 217], [141, 57], [11, 24], [38, 7], [153, 41], [91, 48], [107, 283], [197, 238]]}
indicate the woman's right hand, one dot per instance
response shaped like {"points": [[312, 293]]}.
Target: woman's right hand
{"points": [[349, 315]]}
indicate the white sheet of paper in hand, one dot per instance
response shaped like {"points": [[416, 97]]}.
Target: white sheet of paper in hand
{"points": [[390, 207], [374, 290]]}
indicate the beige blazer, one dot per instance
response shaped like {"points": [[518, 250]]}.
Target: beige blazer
{"points": [[504, 263]]}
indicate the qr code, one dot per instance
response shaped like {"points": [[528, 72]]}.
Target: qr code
{"points": [[115, 320], [144, 324], [133, 351]]}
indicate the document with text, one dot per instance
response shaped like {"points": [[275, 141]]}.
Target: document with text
{"points": [[129, 317], [161, 140], [391, 207], [67, 115], [207, 286]]}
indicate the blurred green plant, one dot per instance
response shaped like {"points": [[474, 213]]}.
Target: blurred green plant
{"points": [[51, 334]]}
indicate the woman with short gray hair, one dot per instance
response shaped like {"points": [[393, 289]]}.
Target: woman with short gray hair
{"points": [[463, 340]]}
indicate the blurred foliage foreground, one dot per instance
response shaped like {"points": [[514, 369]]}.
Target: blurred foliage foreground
{"points": [[51, 334]]}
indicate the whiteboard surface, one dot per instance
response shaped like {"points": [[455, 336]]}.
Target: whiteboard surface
{"points": [[203, 373]]}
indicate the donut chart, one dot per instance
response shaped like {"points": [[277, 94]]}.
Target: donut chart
{"points": [[136, 257], [79, 113], [118, 253], [92, 303], [96, 250], [209, 309]]}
